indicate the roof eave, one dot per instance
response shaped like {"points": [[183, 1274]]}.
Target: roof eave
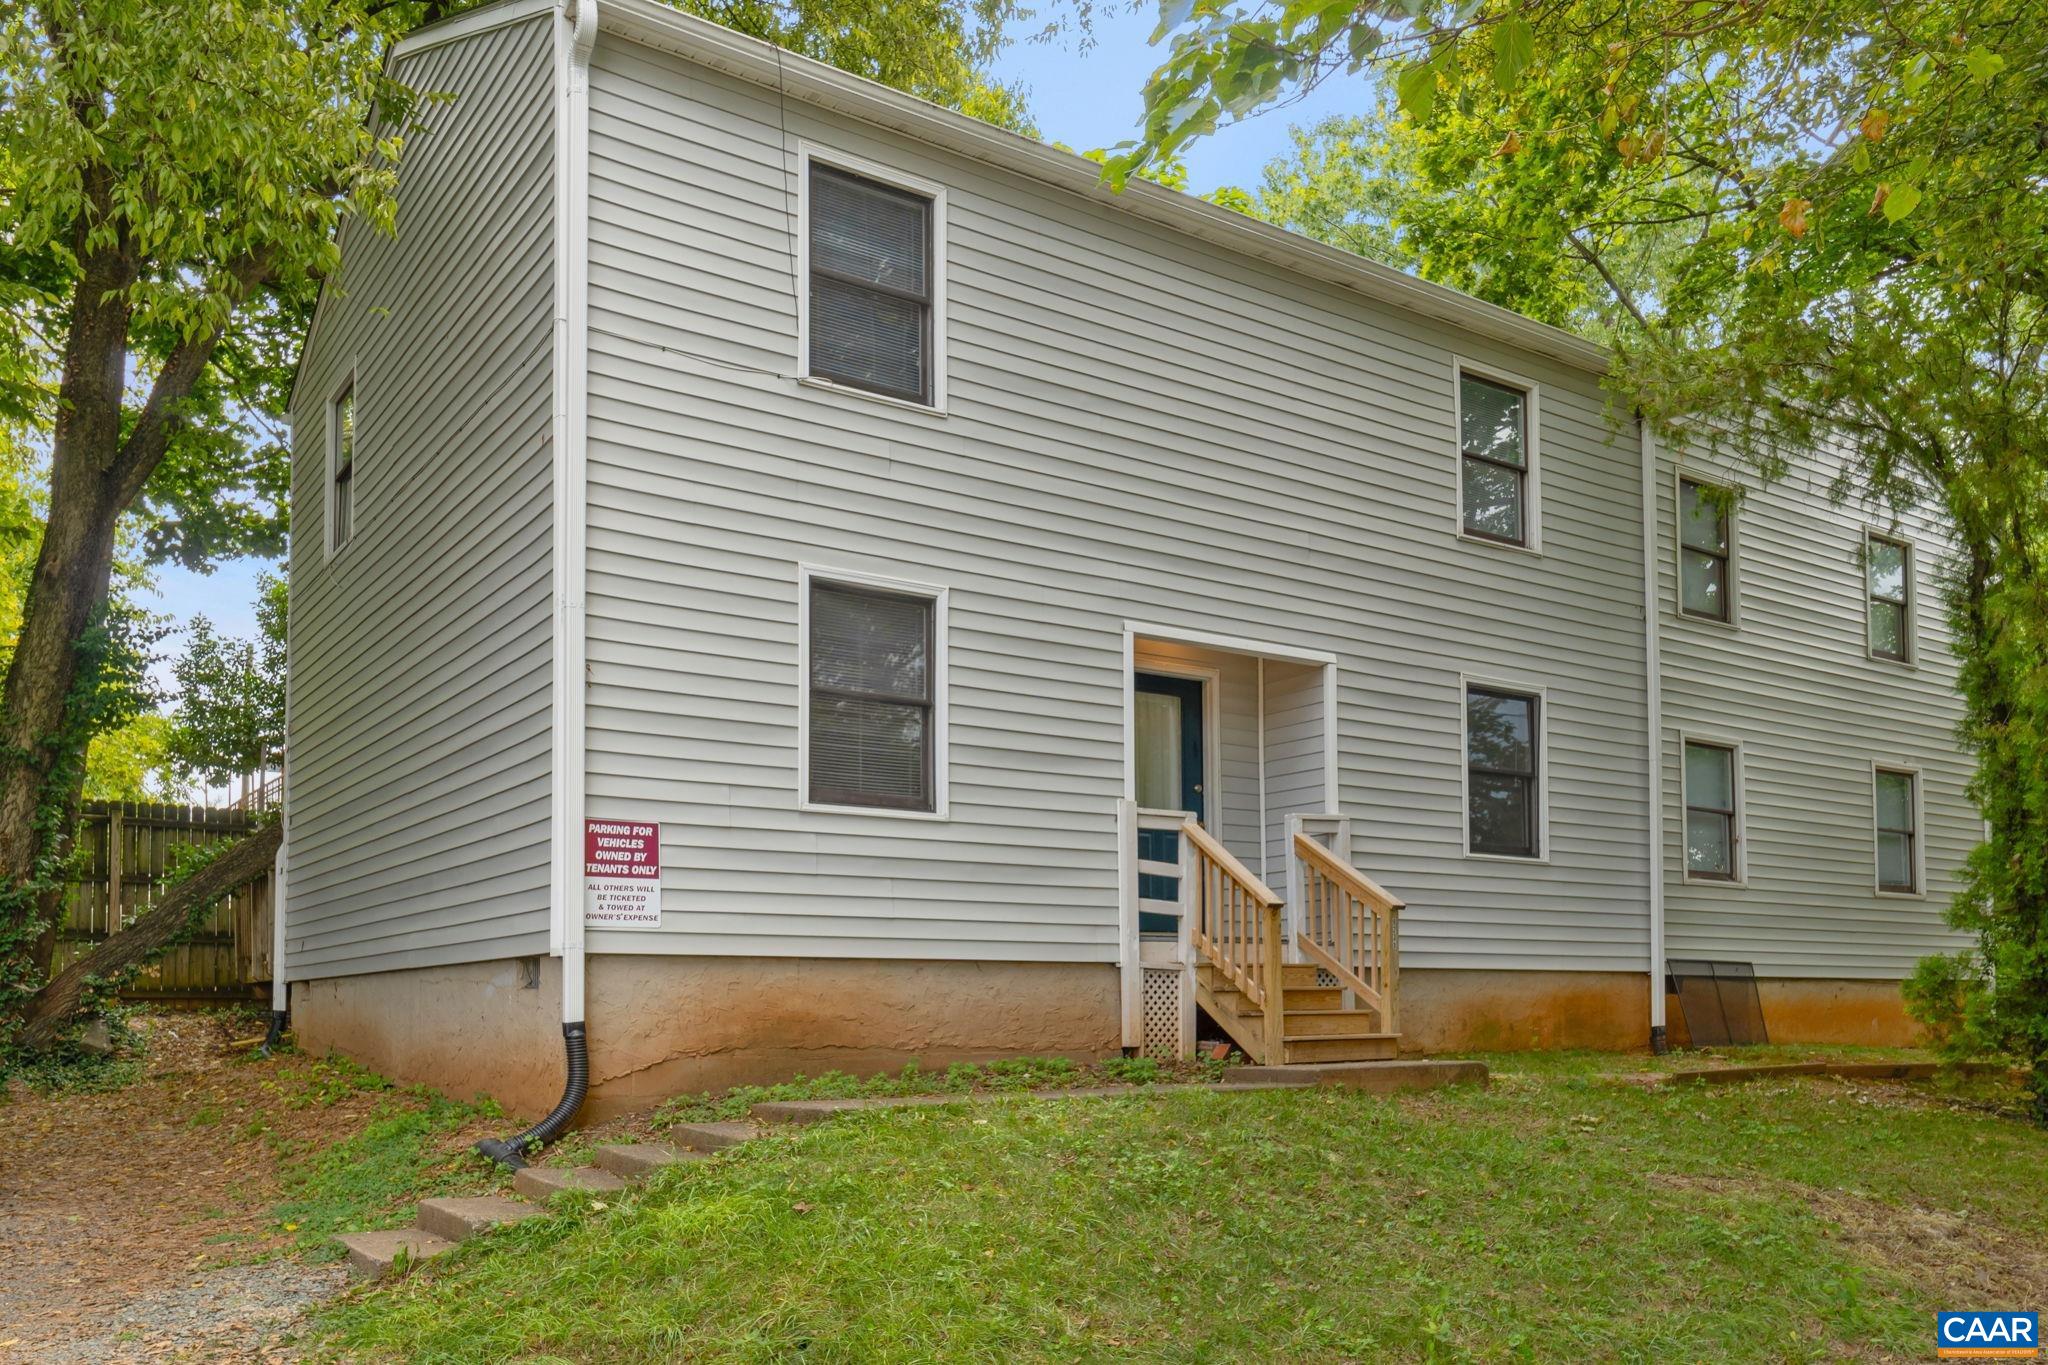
{"points": [[658, 25]]}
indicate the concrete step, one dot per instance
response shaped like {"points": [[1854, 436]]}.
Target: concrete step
{"points": [[1419, 1073], [545, 1182], [1366, 1047], [371, 1255], [458, 1220], [713, 1137], [638, 1160]]}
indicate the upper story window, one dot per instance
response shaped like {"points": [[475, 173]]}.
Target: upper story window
{"points": [[1494, 458], [1503, 789], [1889, 574], [873, 289], [341, 467], [1706, 586], [873, 677], [1713, 819], [1898, 831]]}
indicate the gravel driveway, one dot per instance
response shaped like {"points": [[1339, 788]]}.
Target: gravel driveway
{"points": [[135, 1223]]}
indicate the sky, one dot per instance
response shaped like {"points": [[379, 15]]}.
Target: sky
{"points": [[1086, 98], [1092, 98]]}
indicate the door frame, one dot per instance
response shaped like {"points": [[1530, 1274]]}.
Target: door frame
{"points": [[1212, 688], [1133, 652]]}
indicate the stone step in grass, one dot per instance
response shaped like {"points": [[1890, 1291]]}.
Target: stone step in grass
{"points": [[638, 1160], [444, 1222], [545, 1182], [373, 1255], [713, 1137], [458, 1220]]}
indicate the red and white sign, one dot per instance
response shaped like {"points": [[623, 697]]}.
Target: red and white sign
{"points": [[621, 874]]}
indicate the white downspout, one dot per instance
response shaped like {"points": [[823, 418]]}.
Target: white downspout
{"points": [[575, 37], [1653, 683]]}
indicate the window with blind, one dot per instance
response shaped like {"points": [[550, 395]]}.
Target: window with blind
{"points": [[1493, 451], [1501, 774], [341, 464], [1890, 579], [1705, 588], [871, 698], [1898, 831], [871, 285], [1713, 821]]}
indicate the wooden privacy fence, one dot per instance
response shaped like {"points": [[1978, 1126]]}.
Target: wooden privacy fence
{"points": [[126, 851]]}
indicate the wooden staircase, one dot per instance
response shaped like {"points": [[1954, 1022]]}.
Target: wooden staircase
{"points": [[1316, 1025], [1339, 1005]]}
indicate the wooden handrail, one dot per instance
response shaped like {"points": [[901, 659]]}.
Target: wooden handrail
{"points": [[1217, 853], [1347, 876], [1236, 926], [1351, 928]]}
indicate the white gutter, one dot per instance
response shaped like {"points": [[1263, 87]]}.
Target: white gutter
{"points": [[1653, 683], [575, 36], [658, 25]]}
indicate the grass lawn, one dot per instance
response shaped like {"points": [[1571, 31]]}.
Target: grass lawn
{"points": [[1559, 1214]]}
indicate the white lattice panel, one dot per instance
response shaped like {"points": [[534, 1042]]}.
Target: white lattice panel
{"points": [[1163, 1010]]}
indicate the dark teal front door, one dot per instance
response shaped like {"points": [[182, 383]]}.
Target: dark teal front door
{"points": [[1171, 760]]}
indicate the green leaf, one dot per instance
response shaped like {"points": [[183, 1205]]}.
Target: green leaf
{"points": [[1983, 63], [1514, 50], [1172, 14], [1416, 89], [1900, 202], [1363, 40]]}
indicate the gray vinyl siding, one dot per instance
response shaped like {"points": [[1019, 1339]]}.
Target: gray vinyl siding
{"points": [[420, 654], [1294, 743], [1793, 682], [1141, 427]]}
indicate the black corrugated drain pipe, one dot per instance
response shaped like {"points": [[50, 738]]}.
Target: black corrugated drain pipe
{"points": [[512, 1152], [278, 1020]]}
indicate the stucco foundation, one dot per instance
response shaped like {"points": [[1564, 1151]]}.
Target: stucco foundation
{"points": [[1862, 1013], [662, 1025], [1444, 1010]]}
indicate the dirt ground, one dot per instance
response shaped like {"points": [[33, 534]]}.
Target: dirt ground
{"points": [[136, 1224]]}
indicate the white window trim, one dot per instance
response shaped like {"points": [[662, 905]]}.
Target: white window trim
{"points": [[1919, 891], [806, 154], [1910, 626], [1740, 832], [1494, 683], [330, 464], [1532, 437], [806, 575], [1679, 479]]}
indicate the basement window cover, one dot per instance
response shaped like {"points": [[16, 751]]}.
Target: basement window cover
{"points": [[1719, 1003]]}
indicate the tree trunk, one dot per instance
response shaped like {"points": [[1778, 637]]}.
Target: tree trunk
{"points": [[48, 1013], [66, 591]]}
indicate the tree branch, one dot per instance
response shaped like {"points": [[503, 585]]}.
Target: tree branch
{"points": [[47, 1014], [187, 361], [1621, 295]]}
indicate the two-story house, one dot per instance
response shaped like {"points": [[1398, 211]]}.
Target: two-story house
{"points": [[787, 577]]}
